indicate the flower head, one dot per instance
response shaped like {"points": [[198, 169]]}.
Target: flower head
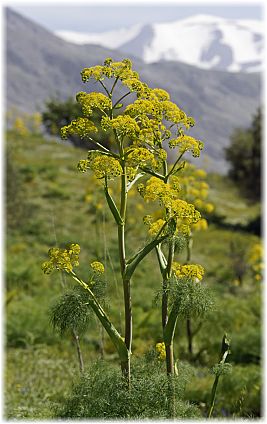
{"points": [[123, 124], [186, 143], [91, 101], [193, 271], [62, 259], [161, 351], [97, 267], [104, 166], [80, 126]]}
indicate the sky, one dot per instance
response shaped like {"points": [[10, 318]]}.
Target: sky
{"points": [[90, 18]]}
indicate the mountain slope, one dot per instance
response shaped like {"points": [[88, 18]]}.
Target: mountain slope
{"points": [[40, 65], [209, 42]]}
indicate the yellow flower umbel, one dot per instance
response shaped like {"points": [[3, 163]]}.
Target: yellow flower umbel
{"points": [[103, 166], [156, 189], [195, 191], [20, 127], [80, 126], [161, 351], [255, 260], [155, 227], [123, 124], [91, 101], [97, 267], [139, 156], [201, 225], [167, 194], [62, 259], [187, 143], [192, 271]]}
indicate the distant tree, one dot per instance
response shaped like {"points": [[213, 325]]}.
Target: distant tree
{"points": [[244, 157], [59, 113]]}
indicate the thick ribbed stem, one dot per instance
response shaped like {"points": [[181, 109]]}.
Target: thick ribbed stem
{"points": [[126, 282], [169, 347]]}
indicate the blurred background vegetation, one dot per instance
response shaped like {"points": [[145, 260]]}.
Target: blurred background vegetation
{"points": [[49, 203]]}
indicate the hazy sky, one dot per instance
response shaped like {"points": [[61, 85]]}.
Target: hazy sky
{"points": [[85, 18]]}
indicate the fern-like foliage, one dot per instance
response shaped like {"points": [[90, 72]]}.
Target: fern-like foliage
{"points": [[101, 393], [191, 299], [71, 311]]}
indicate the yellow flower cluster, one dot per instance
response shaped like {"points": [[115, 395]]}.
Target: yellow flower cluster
{"points": [[173, 113], [143, 107], [206, 207], [159, 94], [187, 143], [62, 259], [255, 260], [200, 173], [134, 84], [123, 124], [110, 69], [101, 164], [80, 126], [139, 156], [162, 154], [90, 101], [83, 165], [105, 166], [156, 189], [182, 209], [193, 271], [20, 127], [201, 225], [150, 111], [119, 70], [195, 190], [97, 267], [155, 227], [184, 213], [161, 351]]}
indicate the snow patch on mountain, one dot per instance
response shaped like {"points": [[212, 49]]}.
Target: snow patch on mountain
{"points": [[110, 39], [205, 41]]}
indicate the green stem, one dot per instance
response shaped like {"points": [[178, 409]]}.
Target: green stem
{"points": [[139, 256], [168, 341], [114, 335], [173, 168], [100, 146], [155, 174], [225, 351], [165, 168], [213, 395], [126, 281], [161, 259], [169, 329], [105, 88], [118, 101], [131, 184], [169, 345], [189, 332], [189, 337], [112, 205], [112, 89]]}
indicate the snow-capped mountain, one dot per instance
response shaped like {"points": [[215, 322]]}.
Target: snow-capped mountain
{"points": [[208, 42]]}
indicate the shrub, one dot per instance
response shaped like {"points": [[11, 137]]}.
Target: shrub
{"points": [[101, 394]]}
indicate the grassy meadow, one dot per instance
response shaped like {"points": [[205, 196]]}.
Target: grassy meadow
{"points": [[49, 203]]}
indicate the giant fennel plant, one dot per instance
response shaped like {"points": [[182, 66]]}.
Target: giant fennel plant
{"points": [[144, 131]]}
